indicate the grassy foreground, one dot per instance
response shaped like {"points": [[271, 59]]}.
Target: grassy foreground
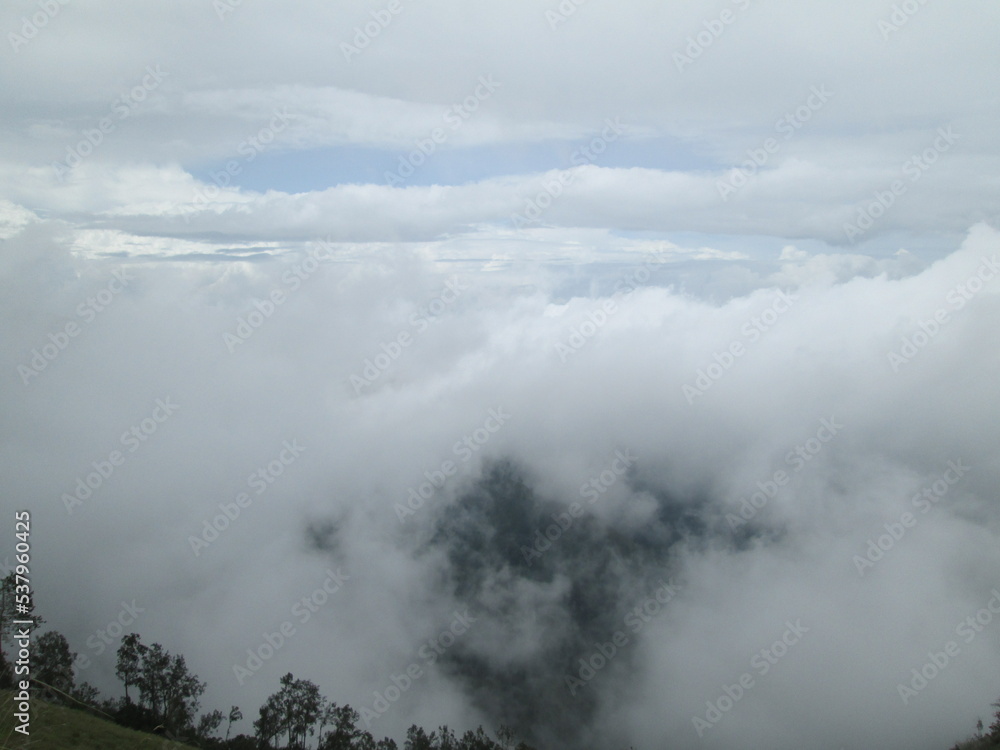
{"points": [[985, 743], [58, 728]]}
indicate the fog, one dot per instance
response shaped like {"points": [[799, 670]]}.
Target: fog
{"points": [[645, 464]]}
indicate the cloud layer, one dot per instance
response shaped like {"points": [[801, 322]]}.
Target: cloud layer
{"points": [[623, 373], [385, 374]]}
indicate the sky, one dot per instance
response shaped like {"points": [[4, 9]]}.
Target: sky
{"points": [[544, 325]]}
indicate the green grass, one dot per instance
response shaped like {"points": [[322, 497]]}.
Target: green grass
{"points": [[985, 743], [58, 728]]}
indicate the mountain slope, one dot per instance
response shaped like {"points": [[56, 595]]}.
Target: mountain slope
{"points": [[58, 728]]}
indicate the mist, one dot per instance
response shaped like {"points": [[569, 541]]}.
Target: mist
{"points": [[557, 433]]}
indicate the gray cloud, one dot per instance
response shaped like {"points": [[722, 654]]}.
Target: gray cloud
{"points": [[782, 396], [825, 358]]}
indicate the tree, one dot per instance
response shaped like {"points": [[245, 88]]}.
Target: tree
{"points": [[506, 737], [234, 715], [345, 732], [478, 740], [326, 717], [182, 696], [10, 607], [8, 610], [296, 708], [168, 693], [208, 724], [242, 742], [6, 673], [153, 669], [130, 655], [446, 739], [87, 693], [268, 725], [53, 663], [417, 739]]}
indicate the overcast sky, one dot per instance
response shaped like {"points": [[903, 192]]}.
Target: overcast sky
{"points": [[298, 260]]}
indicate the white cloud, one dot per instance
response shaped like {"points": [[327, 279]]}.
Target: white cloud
{"points": [[638, 281]]}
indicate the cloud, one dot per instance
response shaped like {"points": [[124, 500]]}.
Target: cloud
{"points": [[755, 324], [213, 97], [824, 357]]}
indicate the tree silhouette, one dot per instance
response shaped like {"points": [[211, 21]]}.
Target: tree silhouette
{"points": [[9, 608], [293, 710], [417, 739], [268, 725], [181, 696], [53, 663], [995, 726], [345, 733], [208, 724], [234, 715], [87, 694], [478, 740], [446, 739], [129, 667], [506, 737], [152, 678], [168, 693], [6, 673]]}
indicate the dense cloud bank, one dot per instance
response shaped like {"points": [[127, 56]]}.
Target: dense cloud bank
{"points": [[678, 485], [621, 372]]}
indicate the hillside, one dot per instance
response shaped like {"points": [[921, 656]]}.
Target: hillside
{"points": [[984, 743], [58, 728]]}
